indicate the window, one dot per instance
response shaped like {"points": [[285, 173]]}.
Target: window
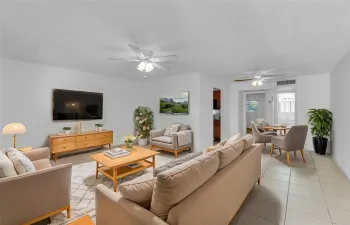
{"points": [[252, 106], [287, 102]]}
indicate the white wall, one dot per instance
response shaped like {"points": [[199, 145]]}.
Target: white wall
{"points": [[252, 116], [27, 98], [339, 92], [312, 91]]}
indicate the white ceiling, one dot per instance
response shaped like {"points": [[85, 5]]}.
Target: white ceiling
{"points": [[216, 37]]}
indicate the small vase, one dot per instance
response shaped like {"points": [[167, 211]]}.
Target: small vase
{"points": [[128, 145]]}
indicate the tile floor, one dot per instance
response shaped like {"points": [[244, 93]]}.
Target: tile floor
{"points": [[314, 193]]}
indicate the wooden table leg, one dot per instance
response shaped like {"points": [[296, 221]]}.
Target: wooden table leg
{"points": [[271, 150], [97, 169], [110, 146], [115, 179], [154, 161]]}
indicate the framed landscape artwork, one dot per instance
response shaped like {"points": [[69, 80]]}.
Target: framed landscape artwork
{"points": [[175, 105]]}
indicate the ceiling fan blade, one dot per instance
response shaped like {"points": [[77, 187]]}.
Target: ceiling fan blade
{"points": [[160, 67], [137, 50], [272, 75], [132, 59], [165, 58], [243, 80], [146, 53]]}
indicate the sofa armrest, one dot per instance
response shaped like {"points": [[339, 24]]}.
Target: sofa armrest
{"points": [[39, 153], [29, 196], [112, 207], [174, 141], [157, 133]]}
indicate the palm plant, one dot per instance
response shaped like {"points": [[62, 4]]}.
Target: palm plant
{"points": [[321, 122]]}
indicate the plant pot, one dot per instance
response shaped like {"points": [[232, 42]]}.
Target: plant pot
{"points": [[66, 131], [142, 141], [320, 145]]}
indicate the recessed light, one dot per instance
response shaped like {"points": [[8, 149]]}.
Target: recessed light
{"points": [[145, 76]]}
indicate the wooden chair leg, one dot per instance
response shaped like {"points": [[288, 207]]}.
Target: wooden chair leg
{"points": [[259, 181], [151, 147], [271, 150], [68, 211], [302, 155], [295, 154], [280, 151], [288, 158], [175, 154]]}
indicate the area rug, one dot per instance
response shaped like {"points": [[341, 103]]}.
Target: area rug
{"points": [[83, 187]]}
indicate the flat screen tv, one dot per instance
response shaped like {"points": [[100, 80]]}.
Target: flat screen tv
{"points": [[76, 105]]}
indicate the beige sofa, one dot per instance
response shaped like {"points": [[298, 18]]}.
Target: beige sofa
{"points": [[31, 197], [216, 201]]}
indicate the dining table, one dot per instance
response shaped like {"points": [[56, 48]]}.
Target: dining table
{"points": [[282, 129]]}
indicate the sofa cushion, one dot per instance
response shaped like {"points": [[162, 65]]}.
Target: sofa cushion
{"points": [[139, 190], [172, 129], [175, 184], [248, 140], [21, 162], [176, 162], [163, 139], [228, 153], [233, 139], [42, 164], [6, 166], [223, 142]]}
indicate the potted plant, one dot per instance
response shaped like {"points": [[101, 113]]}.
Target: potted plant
{"points": [[67, 130], [143, 119], [98, 127], [321, 126], [129, 141]]}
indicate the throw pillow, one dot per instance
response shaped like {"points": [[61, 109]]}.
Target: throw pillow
{"points": [[248, 140], [176, 162], [233, 139], [21, 163], [172, 129], [6, 166], [139, 190], [228, 153], [175, 184], [222, 143], [184, 127]]}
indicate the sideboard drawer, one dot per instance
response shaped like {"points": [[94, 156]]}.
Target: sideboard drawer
{"points": [[104, 135], [105, 141], [89, 137], [64, 148], [87, 144], [63, 140]]}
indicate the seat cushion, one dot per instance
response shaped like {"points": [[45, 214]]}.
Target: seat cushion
{"points": [[21, 162], [175, 163], [248, 140], [175, 184], [233, 139], [42, 164], [139, 190], [163, 139], [6, 166], [228, 153]]}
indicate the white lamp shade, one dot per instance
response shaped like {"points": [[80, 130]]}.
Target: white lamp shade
{"points": [[14, 128]]}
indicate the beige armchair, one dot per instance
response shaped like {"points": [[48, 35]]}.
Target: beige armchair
{"points": [[169, 144], [31, 197], [293, 141], [262, 137]]}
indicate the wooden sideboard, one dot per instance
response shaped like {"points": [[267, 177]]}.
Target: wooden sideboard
{"points": [[72, 142]]}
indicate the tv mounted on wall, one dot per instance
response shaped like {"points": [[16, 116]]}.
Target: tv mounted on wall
{"points": [[76, 105]]}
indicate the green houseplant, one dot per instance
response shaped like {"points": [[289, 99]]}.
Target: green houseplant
{"points": [[143, 120], [321, 127]]}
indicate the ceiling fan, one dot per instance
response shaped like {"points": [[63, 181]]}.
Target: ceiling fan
{"points": [[259, 77], [146, 59]]}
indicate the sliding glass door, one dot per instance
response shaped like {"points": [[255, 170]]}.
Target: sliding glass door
{"points": [[286, 108]]}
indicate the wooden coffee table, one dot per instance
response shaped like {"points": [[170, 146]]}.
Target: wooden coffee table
{"points": [[85, 220], [118, 168]]}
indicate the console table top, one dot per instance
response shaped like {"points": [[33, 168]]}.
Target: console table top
{"points": [[78, 134]]}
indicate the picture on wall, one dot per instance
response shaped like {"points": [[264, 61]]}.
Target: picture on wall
{"points": [[176, 105]]}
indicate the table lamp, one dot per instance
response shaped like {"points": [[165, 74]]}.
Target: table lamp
{"points": [[14, 129]]}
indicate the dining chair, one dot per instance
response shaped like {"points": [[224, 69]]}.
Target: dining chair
{"points": [[294, 140], [262, 137]]}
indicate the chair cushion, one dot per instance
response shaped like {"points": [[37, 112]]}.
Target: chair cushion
{"points": [[233, 139], [175, 184], [172, 129], [248, 140], [21, 162], [163, 139], [139, 190], [42, 164], [6, 166], [228, 153], [176, 162]]}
